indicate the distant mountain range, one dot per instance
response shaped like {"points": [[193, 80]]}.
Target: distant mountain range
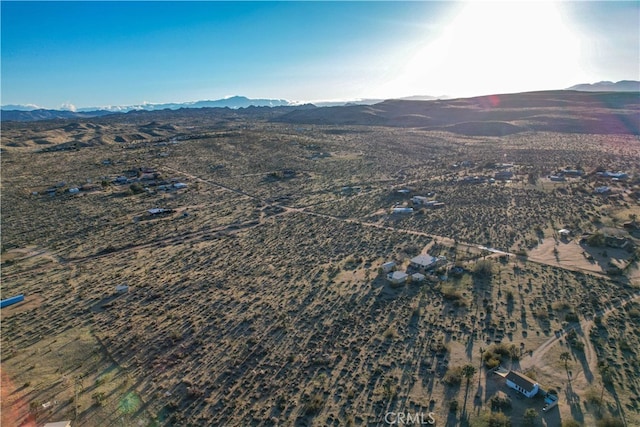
{"points": [[32, 112], [621, 86]]}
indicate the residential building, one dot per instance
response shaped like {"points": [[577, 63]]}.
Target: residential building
{"points": [[522, 383], [397, 277]]}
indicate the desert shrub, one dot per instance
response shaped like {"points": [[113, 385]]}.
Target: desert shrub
{"points": [[531, 373], [491, 419], [450, 293], [571, 317], [571, 423], [390, 391], [625, 346], [453, 406], [541, 314], [492, 363], [136, 188], [500, 402], [98, 398], [609, 421], [495, 354], [560, 305], [634, 313], [574, 341], [593, 396], [596, 240], [439, 347], [530, 416], [315, 404], [453, 376], [483, 268]]}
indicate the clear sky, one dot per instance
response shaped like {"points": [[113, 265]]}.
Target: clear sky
{"points": [[124, 53]]}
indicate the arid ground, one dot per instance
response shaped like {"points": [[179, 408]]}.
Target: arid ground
{"points": [[257, 296]]}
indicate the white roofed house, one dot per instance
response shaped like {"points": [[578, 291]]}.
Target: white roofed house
{"points": [[402, 210], [564, 232], [397, 277], [423, 262], [419, 200], [388, 266], [522, 383]]}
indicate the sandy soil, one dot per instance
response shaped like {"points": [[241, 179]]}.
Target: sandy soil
{"points": [[573, 256]]}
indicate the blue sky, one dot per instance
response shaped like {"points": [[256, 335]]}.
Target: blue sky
{"points": [[124, 53]]}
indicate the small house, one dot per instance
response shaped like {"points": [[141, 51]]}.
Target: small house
{"points": [[402, 210], [419, 200], [503, 175], [74, 190], [179, 185], [156, 211], [564, 232], [557, 178], [616, 242], [397, 277], [423, 262], [388, 266], [522, 383], [121, 289]]}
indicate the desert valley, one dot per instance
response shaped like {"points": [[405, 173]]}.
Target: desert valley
{"points": [[334, 266]]}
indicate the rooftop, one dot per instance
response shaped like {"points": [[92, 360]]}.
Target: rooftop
{"points": [[423, 260], [521, 380]]}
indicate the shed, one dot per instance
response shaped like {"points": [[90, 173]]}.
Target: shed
{"points": [[419, 200], [564, 232], [58, 424], [74, 190], [156, 211], [402, 210], [388, 266], [122, 289], [397, 277], [180, 185]]}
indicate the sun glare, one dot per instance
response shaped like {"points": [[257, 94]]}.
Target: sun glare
{"points": [[494, 48]]}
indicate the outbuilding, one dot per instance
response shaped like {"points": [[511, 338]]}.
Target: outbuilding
{"points": [[397, 277], [564, 232], [388, 266]]}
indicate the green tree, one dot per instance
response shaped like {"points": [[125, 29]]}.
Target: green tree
{"points": [[530, 416], [468, 371]]}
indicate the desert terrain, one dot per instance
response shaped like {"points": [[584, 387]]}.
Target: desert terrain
{"points": [[225, 267]]}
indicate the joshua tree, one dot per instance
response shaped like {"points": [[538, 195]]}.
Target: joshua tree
{"points": [[565, 356], [468, 371]]}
